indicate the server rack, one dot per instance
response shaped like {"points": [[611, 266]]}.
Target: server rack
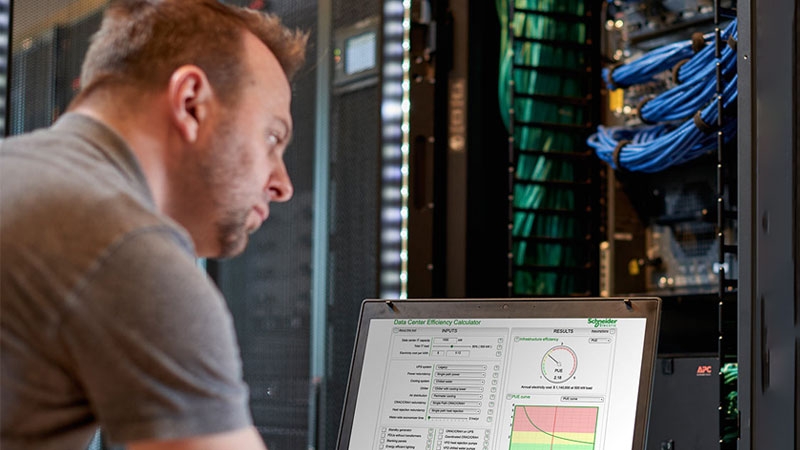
{"points": [[354, 179], [697, 317], [698, 200], [71, 41], [742, 313], [268, 287], [699, 313], [769, 335], [32, 86]]}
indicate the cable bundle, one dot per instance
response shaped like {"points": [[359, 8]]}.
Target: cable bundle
{"points": [[654, 148], [538, 92], [706, 57], [698, 83], [533, 55], [643, 69]]}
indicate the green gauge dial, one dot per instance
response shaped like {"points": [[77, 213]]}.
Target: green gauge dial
{"points": [[559, 364]]}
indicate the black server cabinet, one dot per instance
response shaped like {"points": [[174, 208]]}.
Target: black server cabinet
{"points": [[32, 84], [268, 287], [45, 72], [769, 305], [354, 216], [72, 42]]}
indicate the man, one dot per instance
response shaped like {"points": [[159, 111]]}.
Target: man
{"points": [[172, 150]]}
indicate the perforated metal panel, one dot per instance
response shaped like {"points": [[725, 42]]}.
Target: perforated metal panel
{"points": [[72, 42], [268, 287], [354, 215], [32, 98], [353, 261], [48, 45]]}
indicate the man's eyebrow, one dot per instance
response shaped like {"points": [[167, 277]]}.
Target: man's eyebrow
{"points": [[288, 132]]}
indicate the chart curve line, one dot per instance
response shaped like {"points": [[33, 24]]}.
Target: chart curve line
{"points": [[554, 436]]}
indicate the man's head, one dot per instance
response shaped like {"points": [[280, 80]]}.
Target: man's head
{"points": [[142, 42], [219, 77]]}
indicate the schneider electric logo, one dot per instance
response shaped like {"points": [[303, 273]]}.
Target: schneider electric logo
{"points": [[604, 323]]}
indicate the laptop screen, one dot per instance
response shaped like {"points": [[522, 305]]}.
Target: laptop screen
{"points": [[558, 374]]}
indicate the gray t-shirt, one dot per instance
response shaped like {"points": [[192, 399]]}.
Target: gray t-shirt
{"points": [[105, 318]]}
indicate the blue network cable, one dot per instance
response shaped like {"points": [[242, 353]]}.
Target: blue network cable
{"points": [[655, 148]]}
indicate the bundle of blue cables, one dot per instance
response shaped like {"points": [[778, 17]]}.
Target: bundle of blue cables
{"points": [[698, 83], [654, 148], [650, 64], [706, 58], [685, 116], [643, 69]]}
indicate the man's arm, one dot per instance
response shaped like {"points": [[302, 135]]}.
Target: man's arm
{"points": [[244, 439]]}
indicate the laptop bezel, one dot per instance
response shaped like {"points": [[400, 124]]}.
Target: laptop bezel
{"points": [[550, 307]]}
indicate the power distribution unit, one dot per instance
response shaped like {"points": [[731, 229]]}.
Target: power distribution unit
{"points": [[683, 412]]}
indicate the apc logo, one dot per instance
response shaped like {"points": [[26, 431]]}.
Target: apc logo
{"points": [[704, 371]]}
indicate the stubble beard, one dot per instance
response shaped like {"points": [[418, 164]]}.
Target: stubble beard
{"points": [[231, 234], [222, 168]]}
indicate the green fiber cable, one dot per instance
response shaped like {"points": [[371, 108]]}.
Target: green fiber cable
{"points": [[530, 197]]}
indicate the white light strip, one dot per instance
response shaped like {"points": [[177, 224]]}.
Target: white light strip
{"points": [[395, 107], [404, 149]]}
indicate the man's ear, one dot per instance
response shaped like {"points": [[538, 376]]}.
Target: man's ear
{"points": [[190, 98]]}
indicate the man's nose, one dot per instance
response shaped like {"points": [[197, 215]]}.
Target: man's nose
{"points": [[280, 185]]}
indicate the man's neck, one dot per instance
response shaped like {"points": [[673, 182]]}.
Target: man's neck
{"points": [[147, 136]]}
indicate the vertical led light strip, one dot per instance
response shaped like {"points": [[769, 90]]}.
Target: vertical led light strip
{"points": [[404, 149], [395, 107]]}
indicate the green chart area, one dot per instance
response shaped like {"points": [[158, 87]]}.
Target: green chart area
{"points": [[553, 428]]}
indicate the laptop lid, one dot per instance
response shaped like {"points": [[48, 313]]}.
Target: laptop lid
{"points": [[501, 374]]}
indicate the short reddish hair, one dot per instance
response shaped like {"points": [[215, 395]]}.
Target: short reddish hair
{"points": [[141, 42]]}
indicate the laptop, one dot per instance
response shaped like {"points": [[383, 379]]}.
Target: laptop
{"points": [[501, 374]]}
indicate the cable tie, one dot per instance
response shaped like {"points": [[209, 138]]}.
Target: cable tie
{"points": [[698, 42], [617, 151], [676, 68], [732, 42], [639, 110], [701, 124], [610, 77]]}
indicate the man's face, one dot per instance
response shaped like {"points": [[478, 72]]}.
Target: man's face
{"points": [[243, 162]]}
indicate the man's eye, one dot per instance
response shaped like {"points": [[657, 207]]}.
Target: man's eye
{"points": [[272, 140]]}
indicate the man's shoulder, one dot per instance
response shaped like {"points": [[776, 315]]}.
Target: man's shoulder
{"points": [[74, 215], [65, 209], [59, 185], [77, 155], [45, 147]]}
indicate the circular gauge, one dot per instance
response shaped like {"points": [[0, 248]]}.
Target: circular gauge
{"points": [[559, 364]]}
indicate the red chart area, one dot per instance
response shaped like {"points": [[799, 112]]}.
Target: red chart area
{"points": [[554, 428]]}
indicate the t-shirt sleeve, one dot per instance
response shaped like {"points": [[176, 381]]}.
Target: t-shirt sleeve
{"points": [[154, 345]]}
